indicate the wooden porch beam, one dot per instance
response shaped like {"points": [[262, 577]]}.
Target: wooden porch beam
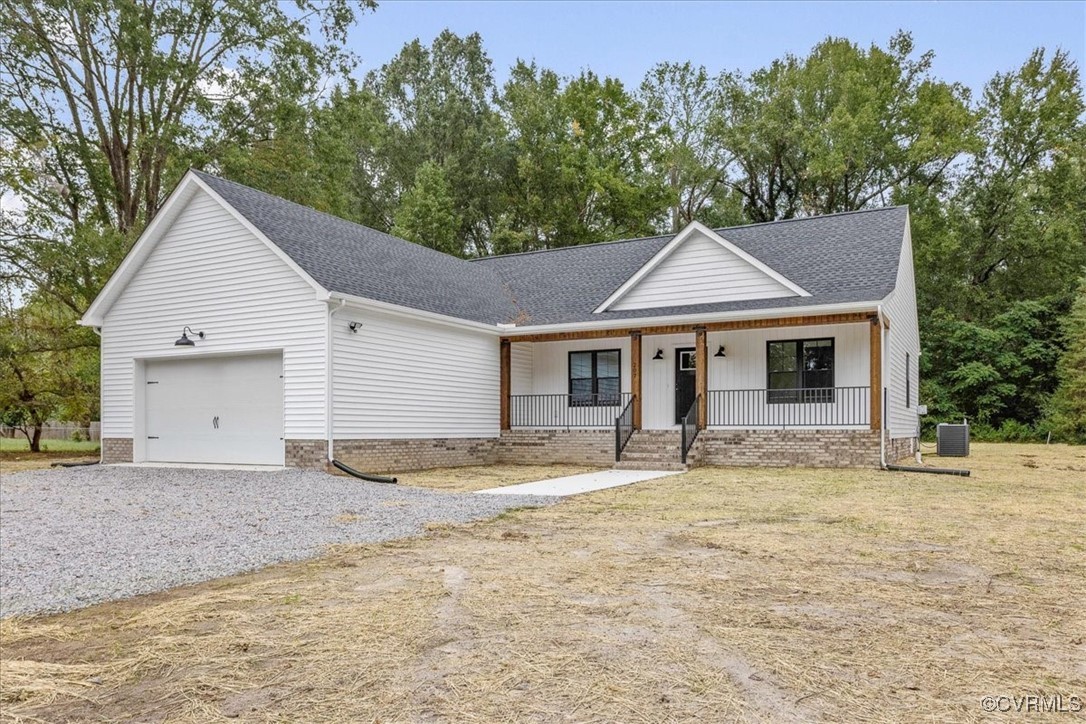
{"points": [[844, 318], [701, 376], [635, 377], [876, 373], [506, 381]]}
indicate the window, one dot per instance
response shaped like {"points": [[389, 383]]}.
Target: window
{"points": [[800, 371], [594, 378], [687, 360], [908, 381]]}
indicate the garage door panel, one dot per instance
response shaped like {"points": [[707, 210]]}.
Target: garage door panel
{"points": [[215, 410]]}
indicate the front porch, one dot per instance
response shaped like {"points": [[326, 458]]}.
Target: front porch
{"points": [[802, 375]]}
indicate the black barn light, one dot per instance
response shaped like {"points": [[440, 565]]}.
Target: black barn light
{"points": [[720, 352], [185, 341], [659, 354]]}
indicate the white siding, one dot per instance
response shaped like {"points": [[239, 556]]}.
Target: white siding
{"points": [[698, 271], [403, 378], [520, 363], [209, 272], [658, 379], [550, 376], [904, 338]]}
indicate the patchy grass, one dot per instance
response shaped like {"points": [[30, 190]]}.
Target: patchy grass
{"points": [[15, 454], [20, 445], [482, 477], [750, 595]]}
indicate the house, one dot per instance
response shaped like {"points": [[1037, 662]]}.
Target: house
{"points": [[243, 328]]}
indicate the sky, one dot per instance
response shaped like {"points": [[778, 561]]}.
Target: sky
{"points": [[971, 40]]}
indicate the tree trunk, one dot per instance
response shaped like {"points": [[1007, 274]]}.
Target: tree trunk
{"points": [[35, 439]]}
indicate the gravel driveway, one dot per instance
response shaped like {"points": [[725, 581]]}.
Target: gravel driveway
{"points": [[73, 537]]}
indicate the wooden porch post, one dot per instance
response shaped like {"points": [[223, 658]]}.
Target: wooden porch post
{"points": [[701, 376], [876, 374], [635, 377], [506, 360]]}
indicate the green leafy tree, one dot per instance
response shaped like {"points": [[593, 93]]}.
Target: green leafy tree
{"points": [[48, 367], [580, 172], [104, 103], [427, 212], [1067, 410], [682, 103], [436, 103], [840, 129]]}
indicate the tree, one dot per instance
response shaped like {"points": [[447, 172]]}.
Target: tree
{"points": [[579, 162], [840, 129], [435, 102], [48, 367], [683, 102], [1067, 410], [427, 213], [104, 103]]}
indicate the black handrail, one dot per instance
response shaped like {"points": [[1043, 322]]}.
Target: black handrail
{"points": [[566, 411], [811, 407], [624, 428], [690, 427]]}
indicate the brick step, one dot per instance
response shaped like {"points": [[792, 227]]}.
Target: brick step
{"points": [[636, 465], [643, 455]]}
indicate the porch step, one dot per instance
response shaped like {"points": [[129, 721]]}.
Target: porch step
{"points": [[637, 465]]}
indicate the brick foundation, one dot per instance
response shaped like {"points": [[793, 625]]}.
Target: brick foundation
{"points": [[788, 448], [401, 455], [900, 448], [542, 447], [116, 450], [306, 454]]}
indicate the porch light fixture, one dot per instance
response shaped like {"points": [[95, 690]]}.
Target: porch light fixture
{"points": [[720, 352], [659, 354], [353, 326], [185, 341]]}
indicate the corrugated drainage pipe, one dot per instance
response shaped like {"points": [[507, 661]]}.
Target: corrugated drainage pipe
{"points": [[363, 476], [933, 471]]}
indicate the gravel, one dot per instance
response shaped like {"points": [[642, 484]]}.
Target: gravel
{"points": [[73, 537]]}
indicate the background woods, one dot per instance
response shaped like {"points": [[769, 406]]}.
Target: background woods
{"points": [[105, 103]]}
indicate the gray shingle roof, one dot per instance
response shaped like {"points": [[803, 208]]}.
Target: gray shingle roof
{"points": [[851, 257], [840, 258], [351, 259]]}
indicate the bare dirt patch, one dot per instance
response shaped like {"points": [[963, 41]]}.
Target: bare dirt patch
{"points": [[719, 595]]}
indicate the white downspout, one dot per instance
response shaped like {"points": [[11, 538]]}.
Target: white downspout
{"points": [[101, 442], [882, 385], [328, 406]]}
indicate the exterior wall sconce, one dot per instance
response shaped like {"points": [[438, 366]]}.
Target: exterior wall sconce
{"points": [[185, 341], [353, 326], [659, 354], [720, 352]]}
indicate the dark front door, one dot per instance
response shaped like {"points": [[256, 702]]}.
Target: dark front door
{"points": [[685, 383]]}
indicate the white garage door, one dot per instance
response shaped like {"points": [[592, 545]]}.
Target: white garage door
{"points": [[215, 410]]}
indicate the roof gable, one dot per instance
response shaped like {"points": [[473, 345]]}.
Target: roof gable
{"points": [[179, 199], [698, 266]]}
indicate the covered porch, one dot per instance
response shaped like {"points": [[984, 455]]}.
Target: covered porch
{"points": [[802, 372]]}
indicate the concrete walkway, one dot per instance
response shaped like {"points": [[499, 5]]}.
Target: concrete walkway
{"points": [[584, 483]]}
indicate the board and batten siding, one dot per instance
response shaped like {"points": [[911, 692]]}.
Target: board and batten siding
{"points": [[904, 339], [699, 271], [398, 377], [209, 272]]}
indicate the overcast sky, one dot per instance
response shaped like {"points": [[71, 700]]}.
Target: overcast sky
{"points": [[971, 40]]}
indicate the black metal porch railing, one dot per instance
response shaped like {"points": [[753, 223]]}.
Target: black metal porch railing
{"points": [[821, 407], [597, 410], [690, 427], [624, 428]]}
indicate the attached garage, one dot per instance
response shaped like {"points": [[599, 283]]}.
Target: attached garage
{"points": [[215, 409]]}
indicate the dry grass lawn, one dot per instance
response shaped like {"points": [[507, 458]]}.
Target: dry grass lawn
{"points": [[719, 595], [482, 477]]}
